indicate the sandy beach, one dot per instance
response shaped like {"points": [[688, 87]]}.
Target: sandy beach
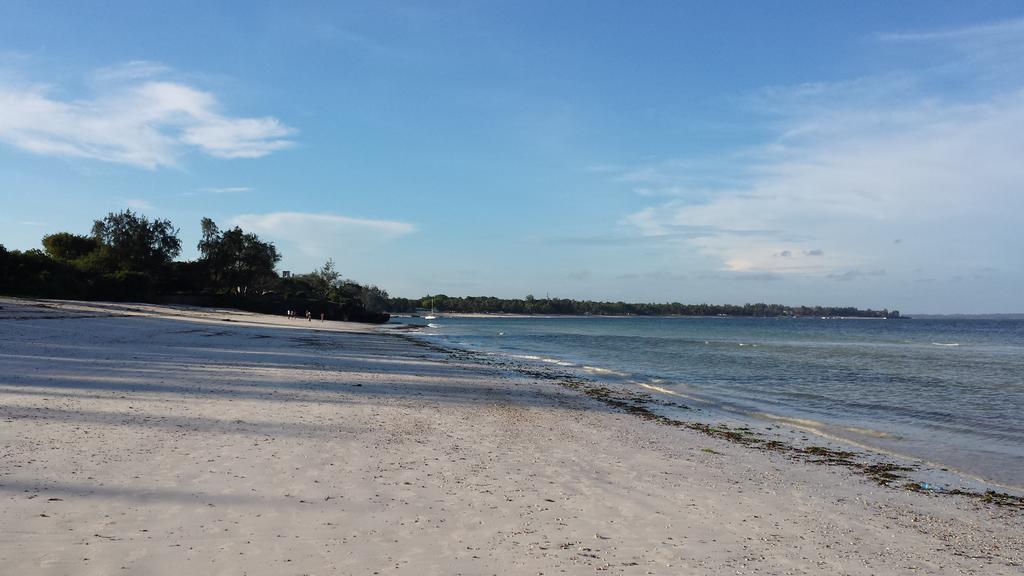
{"points": [[139, 439]]}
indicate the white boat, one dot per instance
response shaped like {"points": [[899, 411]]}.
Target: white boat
{"points": [[431, 315]]}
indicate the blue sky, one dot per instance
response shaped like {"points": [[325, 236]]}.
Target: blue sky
{"points": [[796, 152]]}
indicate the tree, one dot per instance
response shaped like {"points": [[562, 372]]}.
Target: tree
{"points": [[67, 247], [234, 259], [211, 235], [325, 280], [373, 298], [131, 242]]}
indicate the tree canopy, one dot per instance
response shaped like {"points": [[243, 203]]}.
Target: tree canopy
{"points": [[68, 247], [236, 260], [129, 257], [131, 242], [327, 283]]}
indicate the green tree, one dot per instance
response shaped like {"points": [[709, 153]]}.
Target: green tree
{"points": [[373, 298], [236, 260], [131, 242], [67, 246], [326, 280]]}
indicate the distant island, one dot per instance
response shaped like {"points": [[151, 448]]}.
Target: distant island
{"points": [[564, 306]]}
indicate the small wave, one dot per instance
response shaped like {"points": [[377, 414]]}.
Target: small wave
{"points": [[657, 389], [663, 390], [432, 325], [597, 370], [820, 427], [533, 358], [799, 422], [945, 343]]}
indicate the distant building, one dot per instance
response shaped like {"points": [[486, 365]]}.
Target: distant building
{"points": [[286, 273]]}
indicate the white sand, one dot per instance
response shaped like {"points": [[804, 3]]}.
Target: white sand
{"points": [[171, 441]]}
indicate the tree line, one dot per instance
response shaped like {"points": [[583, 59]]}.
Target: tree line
{"points": [[130, 257], [531, 305]]}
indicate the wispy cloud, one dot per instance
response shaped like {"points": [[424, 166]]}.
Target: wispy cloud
{"points": [[128, 71], [132, 117], [854, 165], [321, 236], [999, 32], [138, 205]]}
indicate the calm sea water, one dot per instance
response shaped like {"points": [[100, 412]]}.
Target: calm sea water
{"points": [[947, 391]]}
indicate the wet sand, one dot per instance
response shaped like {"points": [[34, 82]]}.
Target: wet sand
{"points": [[141, 439]]}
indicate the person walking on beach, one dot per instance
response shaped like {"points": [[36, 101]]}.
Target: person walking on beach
{"points": [[309, 316], [321, 317]]}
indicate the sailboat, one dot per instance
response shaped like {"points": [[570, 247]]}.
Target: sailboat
{"points": [[431, 315]]}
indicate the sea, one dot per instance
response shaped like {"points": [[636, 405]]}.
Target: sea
{"points": [[946, 392]]}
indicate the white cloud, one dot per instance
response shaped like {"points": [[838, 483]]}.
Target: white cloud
{"points": [[855, 165], [238, 138], [126, 71], [321, 236], [132, 118], [1000, 32]]}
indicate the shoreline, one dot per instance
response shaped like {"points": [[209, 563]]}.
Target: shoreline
{"points": [[777, 432], [692, 404], [146, 438]]}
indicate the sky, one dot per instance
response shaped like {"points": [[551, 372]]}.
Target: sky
{"points": [[821, 153]]}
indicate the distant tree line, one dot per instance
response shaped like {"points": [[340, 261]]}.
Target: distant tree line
{"points": [[130, 257], [531, 305]]}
